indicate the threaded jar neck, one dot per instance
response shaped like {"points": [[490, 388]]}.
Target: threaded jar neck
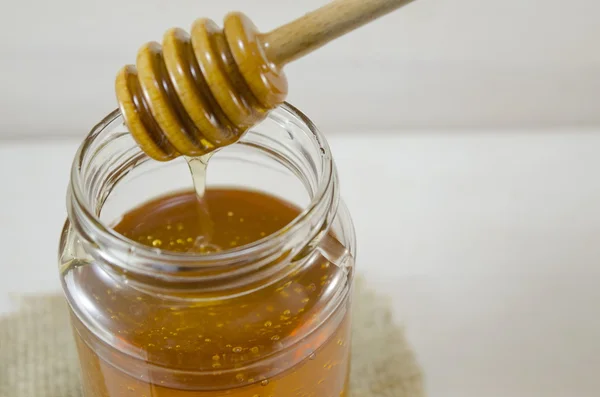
{"points": [[109, 158]]}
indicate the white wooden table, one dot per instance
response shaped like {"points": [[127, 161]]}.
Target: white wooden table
{"points": [[487, 242]]}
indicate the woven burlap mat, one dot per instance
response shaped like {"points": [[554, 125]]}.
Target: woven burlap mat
{"points": [[38, 357]]}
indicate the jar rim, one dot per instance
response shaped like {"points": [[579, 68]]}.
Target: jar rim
{"points": [[324, 194]]}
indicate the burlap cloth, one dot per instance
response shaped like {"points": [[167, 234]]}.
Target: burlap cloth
{"points": [[38, 357]]}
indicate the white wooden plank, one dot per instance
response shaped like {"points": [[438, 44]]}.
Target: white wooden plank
{"points": [[435, 63]]}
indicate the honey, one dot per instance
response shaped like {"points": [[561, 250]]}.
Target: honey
{"points": [[224, 218], [250, 340]]}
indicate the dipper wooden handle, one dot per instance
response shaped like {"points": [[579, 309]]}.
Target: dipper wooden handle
{"points": [[202, 91]]}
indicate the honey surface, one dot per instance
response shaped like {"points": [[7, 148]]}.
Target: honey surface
{"points": [[225, 219], [271, 341]]}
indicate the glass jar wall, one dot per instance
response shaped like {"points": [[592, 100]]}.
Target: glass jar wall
{"points": [[269, 318]]}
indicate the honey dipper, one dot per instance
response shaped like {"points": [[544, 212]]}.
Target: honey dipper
{"points": [[202, 91]]}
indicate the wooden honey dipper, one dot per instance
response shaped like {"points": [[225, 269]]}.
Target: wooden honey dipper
{"points": [[202, 91]]}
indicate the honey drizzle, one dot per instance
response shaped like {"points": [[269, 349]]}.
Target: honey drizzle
{"points": [[198, 169]]}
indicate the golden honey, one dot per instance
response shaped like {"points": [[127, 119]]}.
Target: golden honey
{"points": [[219, 335]]}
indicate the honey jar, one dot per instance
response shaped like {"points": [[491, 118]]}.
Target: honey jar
{"points": [[261, 310]]}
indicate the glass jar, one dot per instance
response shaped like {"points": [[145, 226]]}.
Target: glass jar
{"points": [[121, 293]]}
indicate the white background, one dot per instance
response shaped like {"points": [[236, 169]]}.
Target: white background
{"points": [[467, 137], [441, 63]]}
